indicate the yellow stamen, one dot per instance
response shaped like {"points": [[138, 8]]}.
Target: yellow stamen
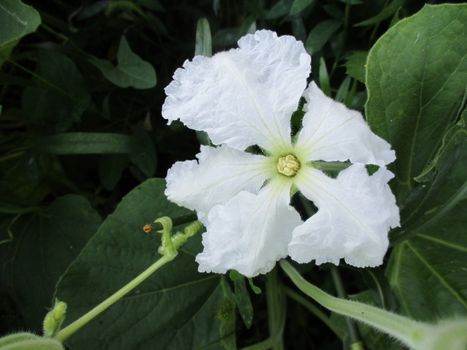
{"points": [[288, 165]]}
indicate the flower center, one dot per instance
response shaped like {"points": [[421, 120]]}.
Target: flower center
{"points": [[288, 165]]}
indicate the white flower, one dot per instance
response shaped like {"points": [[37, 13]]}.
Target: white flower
{"points": [[245, 97]]}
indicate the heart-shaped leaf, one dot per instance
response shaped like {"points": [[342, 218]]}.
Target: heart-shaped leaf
{"points": [[176, 308], [416, 76]]}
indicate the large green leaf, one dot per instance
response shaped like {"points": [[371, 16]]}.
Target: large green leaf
{"points": [[176, 308], [427, 271], [427, 268], [131, 70], [443, 183], [59, 97], [16, 21], [416, 76], [42, 247]]}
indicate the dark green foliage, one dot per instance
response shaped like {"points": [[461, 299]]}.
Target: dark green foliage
{"points": [[131, 70], [81, 134], [16, 21], [39, 247], [177, 308]]}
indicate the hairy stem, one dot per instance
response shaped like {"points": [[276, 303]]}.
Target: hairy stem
{"points": [[66, 332], [352, 328], [406, 330]]}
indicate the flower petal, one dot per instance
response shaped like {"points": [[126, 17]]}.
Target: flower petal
{"points": [[244, 96], [332, 132], [355, 214], [249, 233], [220, 174]]}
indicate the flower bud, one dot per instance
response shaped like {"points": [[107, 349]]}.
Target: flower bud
{"points": [[54, 319]]}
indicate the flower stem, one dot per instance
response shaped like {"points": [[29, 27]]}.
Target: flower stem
{"points": [[406, 330], [352, 328], [66, 332]]}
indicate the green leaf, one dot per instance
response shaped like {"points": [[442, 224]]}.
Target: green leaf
{"points": [[299, 5], [427, 271], [123, 5], [443, 182], [298, 28], [177, 308], [416, 75], [324, 82], [138, 146], [25, 180], [85, 143], [131, 70], [321, 34], [60, 96], [5, 51], [343, 90], [44, 244], [355, 65], [280, 9], [454, 136], [203, 45], [143, 153], [432, 256], [16, 21], [242, 298], [387, 12], [110, 169]]}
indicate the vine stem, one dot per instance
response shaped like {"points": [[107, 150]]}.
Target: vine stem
{"points": [[353, 332], [404, 329], [69, 330], [169, 250]]}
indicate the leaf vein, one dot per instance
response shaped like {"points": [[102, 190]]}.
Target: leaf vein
{"points": [[442, 281]]}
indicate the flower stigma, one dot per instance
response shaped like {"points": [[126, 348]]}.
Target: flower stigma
{"points": [[288, 165]]}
